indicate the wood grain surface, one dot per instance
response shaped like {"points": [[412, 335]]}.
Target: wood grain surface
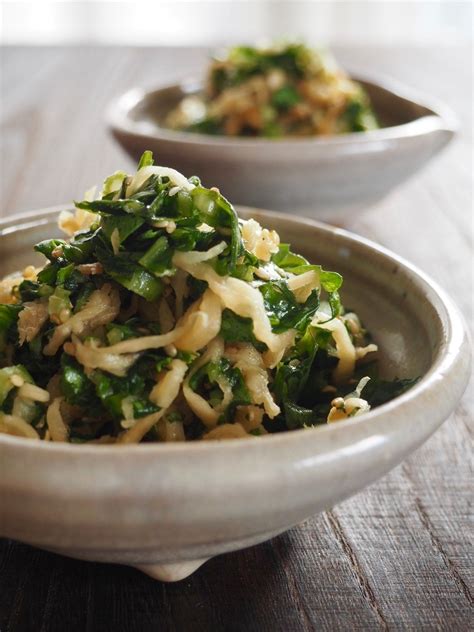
{"points": [[395, 557]]}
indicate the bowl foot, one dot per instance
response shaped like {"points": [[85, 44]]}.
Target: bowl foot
{"points": [[173, 572]]}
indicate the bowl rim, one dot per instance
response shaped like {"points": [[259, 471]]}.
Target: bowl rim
{"points": [[450, 350], [441, 119]]}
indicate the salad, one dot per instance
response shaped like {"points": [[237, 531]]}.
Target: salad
{"points": [[287, 90], [165, 317]]}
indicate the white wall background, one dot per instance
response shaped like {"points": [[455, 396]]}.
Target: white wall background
{"points": [[222, 22]]}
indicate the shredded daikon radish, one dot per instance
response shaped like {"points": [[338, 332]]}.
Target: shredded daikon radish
{"points": [[180, 287], [12, 425], [93, 357], [303, 284], [169, 383], [56, 425], [201, 407], [31, 319], [345, 349], [145, 173], [248, 360], [237, 295], [128, 413], [204, 325], [136, 345], [192, 258], [361, 352], [170, 430], [101, 308], [226, 431], [201, 323], [163, 395], [227, 393], [33, 392]]}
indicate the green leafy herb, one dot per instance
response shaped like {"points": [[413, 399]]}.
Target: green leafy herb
{"points": [[378, 392], [8, 318], [112, 391], [285, 98], [217, 212], [293, 372], [123, 269], [300, 417], [146, 160], [124, 225], [282, 308], [235, 328], [206, 380], [157, 259], [75, 385], [48, 246], [112, 207]]}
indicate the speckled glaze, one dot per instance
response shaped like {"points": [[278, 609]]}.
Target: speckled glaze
{"points": [[323, 177], [166, 508]]}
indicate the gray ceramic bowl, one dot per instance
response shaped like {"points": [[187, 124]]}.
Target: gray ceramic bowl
{"points": [[322, 177], [166, 508]]}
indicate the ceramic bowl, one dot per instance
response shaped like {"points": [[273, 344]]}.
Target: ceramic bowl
{"points": [[323, 177], [166, 508]]}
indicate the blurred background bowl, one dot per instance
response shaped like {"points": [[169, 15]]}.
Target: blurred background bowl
{"points": [[328, 178]]}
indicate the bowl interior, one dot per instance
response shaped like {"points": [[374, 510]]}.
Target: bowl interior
{"points": [[391, 109], [391, 304]]}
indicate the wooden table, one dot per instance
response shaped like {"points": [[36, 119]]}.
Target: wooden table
{"points": [[394, 557]]}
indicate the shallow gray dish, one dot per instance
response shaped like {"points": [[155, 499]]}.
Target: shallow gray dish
{"points": [[166, 508], [322, 177]]}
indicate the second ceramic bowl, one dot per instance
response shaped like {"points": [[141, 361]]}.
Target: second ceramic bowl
{"points": [[329, 178]]}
